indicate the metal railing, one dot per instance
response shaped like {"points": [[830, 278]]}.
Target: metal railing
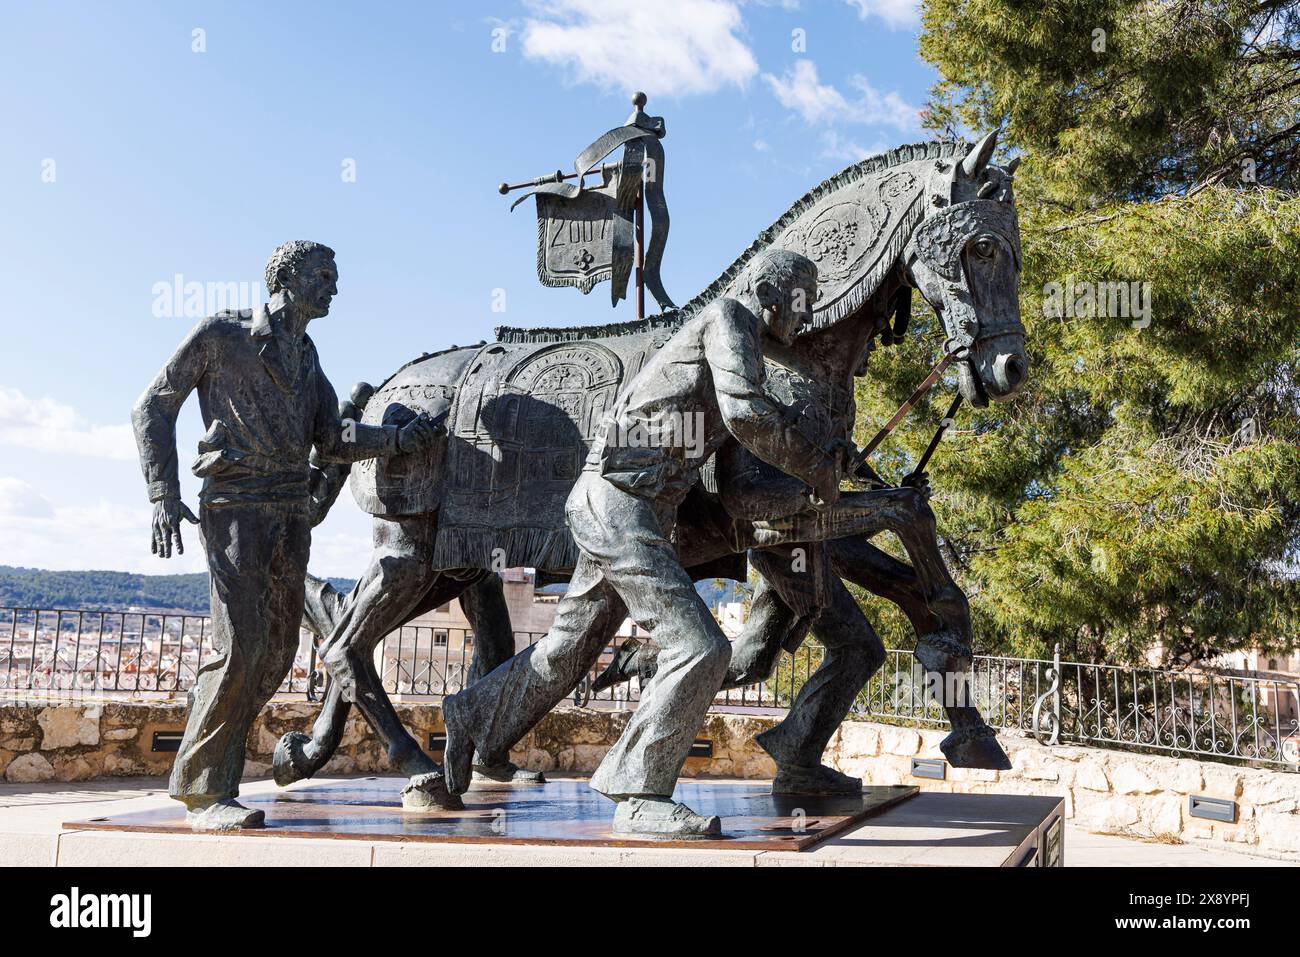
{"points": [[1188, 713], [1194, 713], [114, 652]]}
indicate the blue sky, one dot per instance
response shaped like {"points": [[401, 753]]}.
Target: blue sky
{"points": [[136, 149]]}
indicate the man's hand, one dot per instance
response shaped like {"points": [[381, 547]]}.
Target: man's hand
{"points": [[844, 452], [417, 435], [167, 516], [919, 481], [827, 490]]}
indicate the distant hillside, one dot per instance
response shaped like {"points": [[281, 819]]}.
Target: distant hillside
{"points": [[118, 591], [40, 588]]}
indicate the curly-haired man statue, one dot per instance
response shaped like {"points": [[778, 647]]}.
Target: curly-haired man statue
{"points": [[621, 513], [266, 403]]}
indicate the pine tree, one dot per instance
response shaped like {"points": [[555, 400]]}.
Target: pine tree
{"points": [[1142, 495]]}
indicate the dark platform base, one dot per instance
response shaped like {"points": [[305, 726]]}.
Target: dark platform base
{"points": [[565, 812]]}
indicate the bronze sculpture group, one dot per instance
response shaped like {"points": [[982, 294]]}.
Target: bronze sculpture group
{"points": [[631, 460]]}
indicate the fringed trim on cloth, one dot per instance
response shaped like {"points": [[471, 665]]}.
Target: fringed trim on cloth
{"points": [[529, 547]]}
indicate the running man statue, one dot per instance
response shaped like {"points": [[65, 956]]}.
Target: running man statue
{"points": [[705, 385]]}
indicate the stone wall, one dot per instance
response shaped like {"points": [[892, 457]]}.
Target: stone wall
{"points": [[1105, 791]]}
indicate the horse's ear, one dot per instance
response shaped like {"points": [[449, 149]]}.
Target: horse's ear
{"points": [[979, 156]]}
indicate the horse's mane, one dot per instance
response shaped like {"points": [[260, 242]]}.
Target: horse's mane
{"points": [[673, 318]]}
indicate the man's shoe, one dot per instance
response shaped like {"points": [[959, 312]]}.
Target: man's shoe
{"points": [[663, 818], [223, 815], [792, 779]]}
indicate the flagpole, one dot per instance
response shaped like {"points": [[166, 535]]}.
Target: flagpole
{"points": [[638, 103], [640, 251]]}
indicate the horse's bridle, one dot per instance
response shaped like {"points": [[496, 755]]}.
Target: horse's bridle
{"points": [[940, 241]]}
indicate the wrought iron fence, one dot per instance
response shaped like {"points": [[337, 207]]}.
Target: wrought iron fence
{"points": [[1254, 719], [1192, 713], [62, 652]]}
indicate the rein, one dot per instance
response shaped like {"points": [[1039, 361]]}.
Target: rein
{"points": [[859, 471]]}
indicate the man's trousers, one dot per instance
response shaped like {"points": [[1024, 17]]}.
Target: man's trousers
{"points": [[627, 568], [257, 559]]}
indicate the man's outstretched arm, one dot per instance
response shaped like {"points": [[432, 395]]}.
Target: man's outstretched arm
{"points": [[340, 442], [154, 421], [735, 354]]}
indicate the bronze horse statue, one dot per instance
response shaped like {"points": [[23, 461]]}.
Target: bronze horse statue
{"points": [[521, 412]]}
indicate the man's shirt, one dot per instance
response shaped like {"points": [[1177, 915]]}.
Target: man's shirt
{"points": [[705, 385], [263, 413]]}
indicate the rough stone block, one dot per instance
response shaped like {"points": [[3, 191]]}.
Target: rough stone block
{"points": [[899, 741], [77, 767], [1269, 787], [1222, 780], [1110, 816], [1163, 814], [1090, 775], [856, 739], [28, 769], [64, 726], [1129, 777], [1279, 832]]}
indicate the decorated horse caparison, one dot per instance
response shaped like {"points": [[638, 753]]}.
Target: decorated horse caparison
{"points": [[521, 413]]}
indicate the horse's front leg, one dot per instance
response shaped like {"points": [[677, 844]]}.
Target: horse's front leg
{"points": [[938, 611], [398, 580], [941, 613], [297, 755]]}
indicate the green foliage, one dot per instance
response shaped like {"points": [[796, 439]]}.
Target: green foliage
{"points": [[1143, 492], [1172, 94], [104, 590]]}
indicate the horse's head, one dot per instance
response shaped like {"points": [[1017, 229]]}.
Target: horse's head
{"points": [[964, 257]]}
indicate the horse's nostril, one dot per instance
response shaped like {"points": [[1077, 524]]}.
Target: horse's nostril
{"points": [[1009, 371]]}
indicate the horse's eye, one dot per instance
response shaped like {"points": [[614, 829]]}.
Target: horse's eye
{"points": [[985, 248]]}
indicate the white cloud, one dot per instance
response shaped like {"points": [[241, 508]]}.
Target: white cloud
{"points": [[799, 89], [36, 533], [896, 13], [665, 47], [19, 499], [837, 147], [48, 425], [101, 534], [341, 554]]}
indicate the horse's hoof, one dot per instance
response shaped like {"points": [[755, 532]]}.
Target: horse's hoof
{"points": [[428, 792], [622, 668], [975, 748], [290, 763], [792, 779], [507, 773]]}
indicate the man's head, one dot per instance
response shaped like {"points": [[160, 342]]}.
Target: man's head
{"points": [[784, 284], [305, 272]]}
